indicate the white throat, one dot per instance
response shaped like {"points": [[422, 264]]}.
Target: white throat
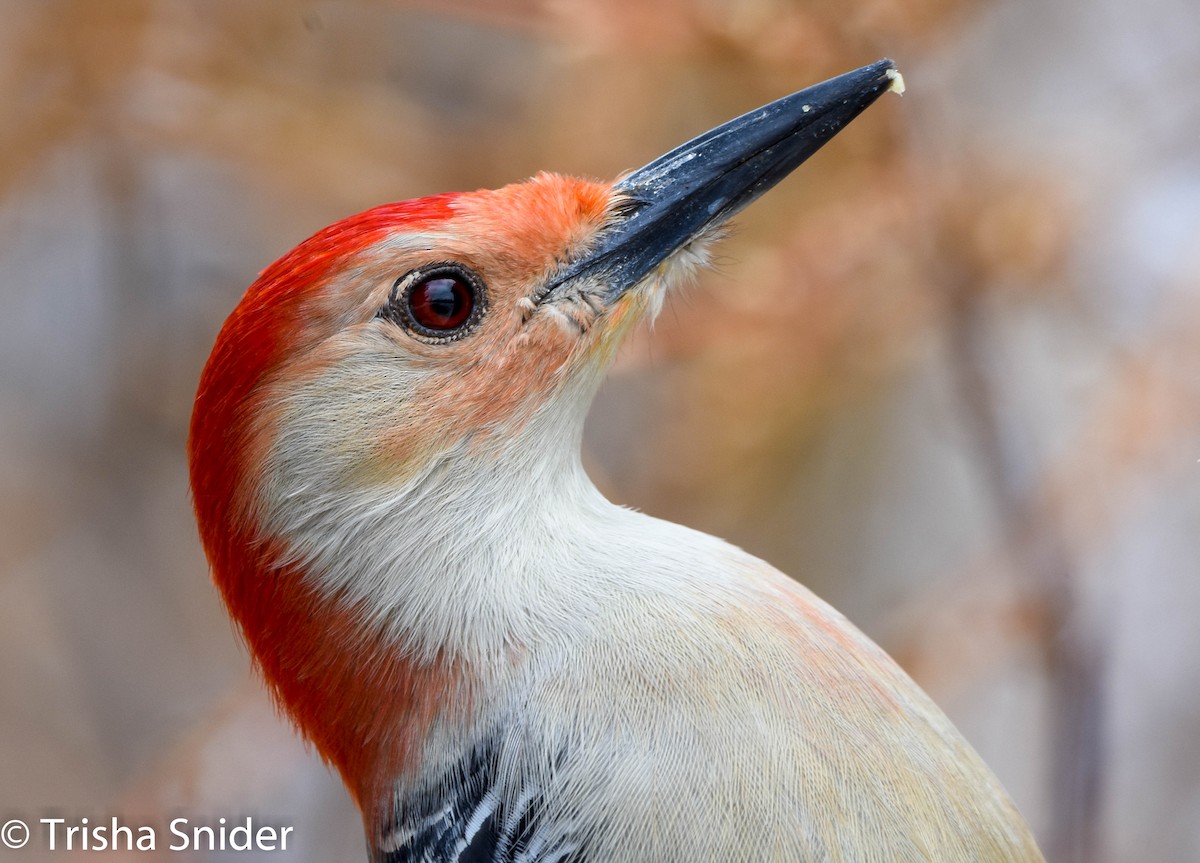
{"points": [[491, 546]]}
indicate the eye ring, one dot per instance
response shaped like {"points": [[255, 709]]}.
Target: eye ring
{"points": [[438, 302]]}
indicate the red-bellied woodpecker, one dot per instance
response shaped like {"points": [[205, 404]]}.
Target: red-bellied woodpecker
{"points": [[504, 666]]}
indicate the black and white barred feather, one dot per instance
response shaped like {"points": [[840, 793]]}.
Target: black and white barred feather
{"points": [[465, 818]]}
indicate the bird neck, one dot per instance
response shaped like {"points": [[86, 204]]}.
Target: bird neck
{"points": [[375, 612], [446, 563], [342, 681]]}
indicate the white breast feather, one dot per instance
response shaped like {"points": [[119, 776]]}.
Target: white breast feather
{"points": [[677, 699]]}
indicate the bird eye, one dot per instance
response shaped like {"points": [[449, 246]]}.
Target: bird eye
{"points": [[440, 302]]}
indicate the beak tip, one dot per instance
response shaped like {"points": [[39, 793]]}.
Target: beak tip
{"points": [[877, 78]]}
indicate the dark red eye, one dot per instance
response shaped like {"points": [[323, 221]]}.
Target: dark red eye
{"points": [[441, 303], [438, 302]]}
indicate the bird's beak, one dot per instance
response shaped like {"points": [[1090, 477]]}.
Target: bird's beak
{"points": [[697, 186]]}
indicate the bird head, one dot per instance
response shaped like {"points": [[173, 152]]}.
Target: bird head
{"points": [[380, 373]]}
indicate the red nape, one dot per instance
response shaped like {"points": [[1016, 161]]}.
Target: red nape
{"points": [[348, 690], [345, 684]]}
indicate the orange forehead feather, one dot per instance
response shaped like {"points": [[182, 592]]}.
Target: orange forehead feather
{"points": [[531, 226]]}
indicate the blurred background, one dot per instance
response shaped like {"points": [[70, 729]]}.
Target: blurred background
{"points": [[948, 374]]}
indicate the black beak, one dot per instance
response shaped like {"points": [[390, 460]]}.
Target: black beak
{"points": [[701, 184]]}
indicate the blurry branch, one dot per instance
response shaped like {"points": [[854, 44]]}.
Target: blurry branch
{"points": [[1150, 409], [984, 239], [1071, 653]]}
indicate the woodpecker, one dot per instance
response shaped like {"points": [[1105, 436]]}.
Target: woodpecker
{"points": [[504, 666]]}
